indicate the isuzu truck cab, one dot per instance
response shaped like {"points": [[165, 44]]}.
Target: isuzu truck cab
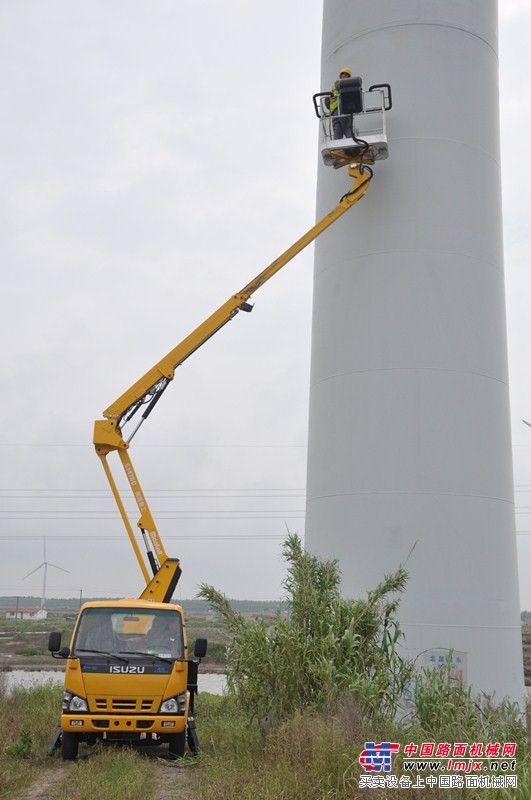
{"points": [[128, 676]]}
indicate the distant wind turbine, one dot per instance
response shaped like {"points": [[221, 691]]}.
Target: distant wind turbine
{"points": [[44, 564]]}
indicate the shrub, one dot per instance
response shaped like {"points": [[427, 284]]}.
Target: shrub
{"points": [[325, 647], [21, 748]]}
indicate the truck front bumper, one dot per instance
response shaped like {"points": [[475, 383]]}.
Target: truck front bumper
{"points": [[123, 723]]}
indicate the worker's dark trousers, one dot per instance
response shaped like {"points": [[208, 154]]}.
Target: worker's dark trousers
{"points": [[342, 126]]}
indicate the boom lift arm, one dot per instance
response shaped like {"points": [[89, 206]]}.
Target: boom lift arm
{"points": [[146, 392]]}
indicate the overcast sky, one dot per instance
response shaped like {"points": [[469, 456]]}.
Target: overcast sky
{"points": [[155, 157]]}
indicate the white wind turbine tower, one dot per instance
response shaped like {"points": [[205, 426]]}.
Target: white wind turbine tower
{"points": [[44, 564], [409, 430]]}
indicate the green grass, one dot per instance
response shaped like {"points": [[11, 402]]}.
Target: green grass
{"points": [[108, 775], [31, 651], [28, 718], [55, 621], [310, 756], [315, 756], [304, 758], [27, 721]]}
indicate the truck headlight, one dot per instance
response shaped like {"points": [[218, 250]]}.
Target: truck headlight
{"points": [[73, 703], [174, 705]]}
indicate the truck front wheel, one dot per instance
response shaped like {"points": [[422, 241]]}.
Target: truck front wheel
{"points": [[177, 743], [69, 746]]}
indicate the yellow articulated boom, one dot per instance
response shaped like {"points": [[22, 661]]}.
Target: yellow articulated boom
{"points": [[145, 393], [129, 676]]}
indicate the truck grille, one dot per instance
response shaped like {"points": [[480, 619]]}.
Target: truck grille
{"points": [[125, 705]]}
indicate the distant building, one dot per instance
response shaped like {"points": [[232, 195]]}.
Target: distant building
{"points": [[26, 613]]}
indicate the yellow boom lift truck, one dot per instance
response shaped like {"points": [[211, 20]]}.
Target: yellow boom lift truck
{"points": [[129, 675]]}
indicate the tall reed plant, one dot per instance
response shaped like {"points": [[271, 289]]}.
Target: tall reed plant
{"points": [[325, 647]]}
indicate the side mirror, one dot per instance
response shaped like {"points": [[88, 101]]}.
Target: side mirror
{"points": [[54, 641], [200, 648], [54, 645]]}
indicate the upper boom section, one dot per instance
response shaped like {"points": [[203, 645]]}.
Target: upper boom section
{"points": [[148, 389]]}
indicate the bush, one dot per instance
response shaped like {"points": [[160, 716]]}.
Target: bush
{"points": [[21, 748], [326, 647]]}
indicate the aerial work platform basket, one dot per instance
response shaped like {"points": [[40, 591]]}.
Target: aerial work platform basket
{"points": [[356, 129]]}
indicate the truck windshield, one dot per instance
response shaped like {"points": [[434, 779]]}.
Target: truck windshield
{"points": [[136, 631]]}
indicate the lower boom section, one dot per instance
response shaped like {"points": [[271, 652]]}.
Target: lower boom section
{"points": [[162, 586]]}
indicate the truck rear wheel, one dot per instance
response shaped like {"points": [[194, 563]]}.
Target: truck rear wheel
{"points": [[177, 743], [69, 746]]}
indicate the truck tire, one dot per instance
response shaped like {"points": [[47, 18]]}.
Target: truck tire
{"points": [[177, 743], [69, 746]]}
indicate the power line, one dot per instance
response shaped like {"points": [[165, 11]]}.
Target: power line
{"points": [[166, 446], [133, 511], [177, 492], [115, 515], [152, 492], [187, 537], [183, 492], [184, 513]]}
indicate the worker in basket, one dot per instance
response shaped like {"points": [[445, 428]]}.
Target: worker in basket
{"points": [[341, 125]]}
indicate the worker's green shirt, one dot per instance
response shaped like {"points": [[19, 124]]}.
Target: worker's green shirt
{"points": [[334, 100]]}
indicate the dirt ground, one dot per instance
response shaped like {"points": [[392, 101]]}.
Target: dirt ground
{"points": [[51, 776], [172, 781]]}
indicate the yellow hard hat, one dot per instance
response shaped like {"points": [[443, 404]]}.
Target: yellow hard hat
{"points": [[347, 70]]}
